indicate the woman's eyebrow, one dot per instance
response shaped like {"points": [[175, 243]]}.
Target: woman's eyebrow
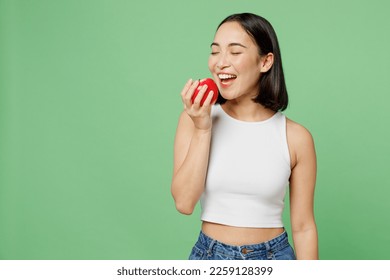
{"points": [[230, 45]]}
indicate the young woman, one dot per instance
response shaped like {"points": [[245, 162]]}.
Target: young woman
{"points": [[238, 156]]}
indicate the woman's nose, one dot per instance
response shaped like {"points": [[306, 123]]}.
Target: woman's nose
{"points": [[222, 62]]}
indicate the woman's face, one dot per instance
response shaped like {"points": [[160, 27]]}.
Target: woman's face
{"points": [[235, 62]]}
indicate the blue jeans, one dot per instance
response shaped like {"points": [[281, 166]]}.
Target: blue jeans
{"points": [[277, 248]]}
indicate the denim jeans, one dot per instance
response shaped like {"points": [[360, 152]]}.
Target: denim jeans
{"points": [[277, 248]]}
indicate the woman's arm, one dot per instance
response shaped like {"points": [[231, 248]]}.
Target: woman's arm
{"points": [[191, 149], [302, 184]]}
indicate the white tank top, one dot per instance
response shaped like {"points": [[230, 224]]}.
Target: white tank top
{"points": [[248, 172]]}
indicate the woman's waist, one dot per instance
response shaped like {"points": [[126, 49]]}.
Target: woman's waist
{"points": [[240, 235]]}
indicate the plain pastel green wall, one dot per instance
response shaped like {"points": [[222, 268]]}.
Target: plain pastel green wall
{"points": [[89, 101]]}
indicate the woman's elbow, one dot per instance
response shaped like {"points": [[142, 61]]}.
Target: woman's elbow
{"points": [[183, 202], [303, 226], [184, 208]]}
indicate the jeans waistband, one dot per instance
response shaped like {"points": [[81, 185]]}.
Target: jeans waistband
{"points": [[277, 243]]}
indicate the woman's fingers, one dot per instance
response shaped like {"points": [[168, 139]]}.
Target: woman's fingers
{"points": [[187, 94], [208, 99], [199, 96], [186, 87], [197, 110], [199, 104]]}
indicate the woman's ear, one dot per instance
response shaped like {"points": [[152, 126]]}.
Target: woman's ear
{"points": [[266, 62]]}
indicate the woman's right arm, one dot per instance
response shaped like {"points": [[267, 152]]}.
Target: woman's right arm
{"points": [[191, 149]]}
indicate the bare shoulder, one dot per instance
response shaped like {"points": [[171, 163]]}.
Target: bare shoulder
{"points": [[297, 132], [300, 140]]}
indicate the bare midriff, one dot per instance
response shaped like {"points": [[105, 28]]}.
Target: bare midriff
{"points": [[239, 235]]}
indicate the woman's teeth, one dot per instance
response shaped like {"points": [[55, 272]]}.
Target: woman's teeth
{"points": [[226, 76]]}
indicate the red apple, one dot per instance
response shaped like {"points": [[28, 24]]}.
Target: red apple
{"points": [[211, 86]]}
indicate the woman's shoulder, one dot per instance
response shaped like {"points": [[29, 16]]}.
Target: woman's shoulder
{"points": [[296, 130], [300, 140]]}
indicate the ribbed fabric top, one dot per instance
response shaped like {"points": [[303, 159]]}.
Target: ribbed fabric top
{"points": [[248, 172]]}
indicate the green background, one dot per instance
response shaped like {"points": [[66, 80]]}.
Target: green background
{"points": [[89, 103]]}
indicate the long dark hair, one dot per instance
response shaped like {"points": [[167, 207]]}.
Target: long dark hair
{"points": [[273, 91]]}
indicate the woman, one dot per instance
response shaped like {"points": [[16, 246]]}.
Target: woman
{"points": [[238, 156]]}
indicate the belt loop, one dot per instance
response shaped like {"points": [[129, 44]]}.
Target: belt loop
{"points": [[267, 246], [268, 250], [210, 249]]}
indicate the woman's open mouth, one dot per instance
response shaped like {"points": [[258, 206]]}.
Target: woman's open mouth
{"points": [[226, 79]]}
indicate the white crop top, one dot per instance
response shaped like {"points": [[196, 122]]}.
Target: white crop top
{"points": [[248, 172]]}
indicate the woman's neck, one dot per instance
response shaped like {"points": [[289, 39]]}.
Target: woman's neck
{"points": [[247, 110]]}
